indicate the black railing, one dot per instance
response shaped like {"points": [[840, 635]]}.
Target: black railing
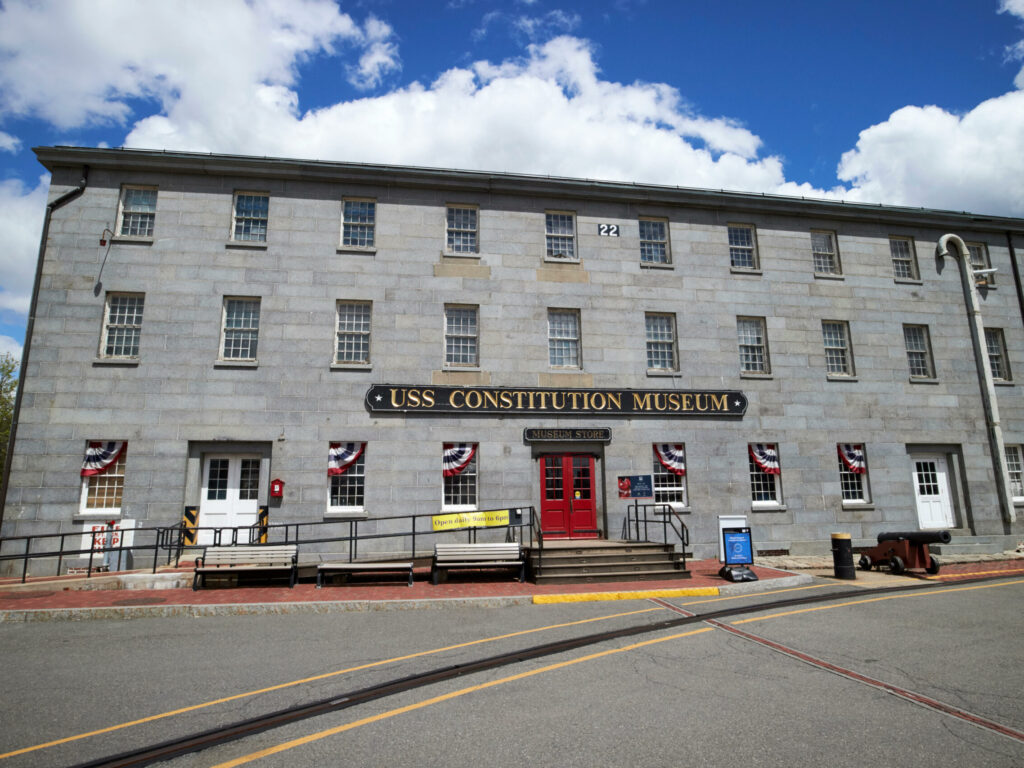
{"points": [[637, 525], [536, 534]]}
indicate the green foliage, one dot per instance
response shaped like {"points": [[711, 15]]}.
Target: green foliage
{"points": [[8, 385]]}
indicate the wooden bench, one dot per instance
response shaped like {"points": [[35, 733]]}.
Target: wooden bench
{"points": [[505, 555], [264, 558], [346, 568]]}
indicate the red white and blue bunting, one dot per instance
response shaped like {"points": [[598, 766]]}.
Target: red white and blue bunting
{"points": [[766, 457], [342, 456], [672, 457], [99, 457], [853, 457], [457, 457]]}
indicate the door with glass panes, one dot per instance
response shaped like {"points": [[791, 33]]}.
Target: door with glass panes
{"points": [[230, 499], [568, 507]]}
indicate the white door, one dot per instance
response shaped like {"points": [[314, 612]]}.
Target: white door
{"points": [[931, 489], [231, 486]]}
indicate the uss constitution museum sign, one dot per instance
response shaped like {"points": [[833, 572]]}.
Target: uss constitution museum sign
{"points": [[530, 401]]}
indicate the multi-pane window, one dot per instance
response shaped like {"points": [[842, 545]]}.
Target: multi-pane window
{"points": [[250, 217], [560, 235], [102, 491], [654, 248], [996, 346], [460, 475], [461, 334], [241, 328], [904, 259], [123, 325], [137, 212], [1015, 468], [353, 339], [359, 218], [661, 342], [753, 345], [348, 488], [249, 480], [919, 352], [853, 472], [836, 337], [669, 485], [979, 260], [462, 229], [564, 338], [826, 257], [765, 474], [742, 247]]}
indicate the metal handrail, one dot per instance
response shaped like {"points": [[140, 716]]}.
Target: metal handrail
{"points": [[668, 518]]}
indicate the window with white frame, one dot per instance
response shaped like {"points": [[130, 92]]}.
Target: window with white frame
{"points": [[462, 229], [240, 334], [459, 475], [122, 326], [560, 235], [103, 472], [750, 332], [136, 211], [853, 472], [358, 223], [742, 247], [249, 221], [669, 471], [661, 341], [346, 468], [461, 336], [826, 257], [765, 474], [980, 260], [838, 357], [353, 334], [997, 361], [564, 338], [1015, 469], [919, 351], [654, 246], [904, 258]]}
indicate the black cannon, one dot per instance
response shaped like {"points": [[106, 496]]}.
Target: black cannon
{"points": [[901, 550]]}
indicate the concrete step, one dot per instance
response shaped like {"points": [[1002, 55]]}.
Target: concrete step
{"points": [[605, 566], [604, 576], [976, 545]]}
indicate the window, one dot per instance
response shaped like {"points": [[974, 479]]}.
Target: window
{"points": [[669, 470], [249, 222], [564, 338], [461, 333], [353, 332], [358, 222], [241, 328], [919, 352], [560, 235], [904, 259], [765, 474], [346, 466], [654, 242], [826, 258], [103, 478], [458, 469], [123, 325], [742, 247], [661, 342], [838, 359], [137, 212], [1015, 468], [997, 361], [980, 260], [853, 472], [753, 345], [462, 230]]}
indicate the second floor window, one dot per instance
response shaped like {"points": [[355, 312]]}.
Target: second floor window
{"points": [[461, 333], [123, 326], [996, 347], [358, 223], [661, 342], [563, 338], [753, 345], [904, 261], [353, 342], [919, 351], [250, 217], [137, 212], [241, 328], [838, 360]]}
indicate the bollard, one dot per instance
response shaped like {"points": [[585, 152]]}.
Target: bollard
{"points": [[842, 556]]}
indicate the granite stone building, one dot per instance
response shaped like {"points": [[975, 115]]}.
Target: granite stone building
{"points": [[393, 340]]}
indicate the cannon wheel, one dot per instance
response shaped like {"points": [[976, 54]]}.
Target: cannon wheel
{"points": [[864, 563], [896, 564], [933, 565]]}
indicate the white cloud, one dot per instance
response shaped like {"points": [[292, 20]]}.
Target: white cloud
{"points": [[9, 346], [21, 221], [9, 143], [379, 59]]}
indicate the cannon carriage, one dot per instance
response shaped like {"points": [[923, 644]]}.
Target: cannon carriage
{"points": [[903, 550]]}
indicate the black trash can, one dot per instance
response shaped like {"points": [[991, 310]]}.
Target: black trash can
{"points": [[842, 556]]}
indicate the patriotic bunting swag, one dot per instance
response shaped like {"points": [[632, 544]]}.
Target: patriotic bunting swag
{"points": [[342, 456], [671, 457], [457, 457], [766, 457], [99, 457], [853, 458]]}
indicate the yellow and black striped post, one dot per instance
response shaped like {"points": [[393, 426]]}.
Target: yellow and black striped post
{"points": [[264, 523], [189, 523]]}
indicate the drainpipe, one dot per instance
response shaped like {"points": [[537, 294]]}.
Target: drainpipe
{"points": [[61, 201], [988, 389]]}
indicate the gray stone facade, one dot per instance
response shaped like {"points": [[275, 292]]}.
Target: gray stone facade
{"points": [[179, 402]]}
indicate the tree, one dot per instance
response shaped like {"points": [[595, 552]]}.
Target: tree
{"points": [[8, 385]]}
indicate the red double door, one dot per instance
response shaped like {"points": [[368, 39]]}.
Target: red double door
{"points": [[568, 505]]}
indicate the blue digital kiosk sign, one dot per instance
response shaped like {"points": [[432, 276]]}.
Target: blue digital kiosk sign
{"points": [[739, 553]]}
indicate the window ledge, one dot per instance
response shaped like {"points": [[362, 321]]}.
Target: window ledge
{"points": [[768, 508], [555, 260], [466, 368], [839, 377], [236, 364], [127, 240], [244, 246], [662, 373], [354, 249], [656, 265], [343, 514], [745, 271], [753, 375], [857, 505], [1018, 501], [922, 380], [1003, 383], [351, 367], [679, 510], [95, 517], [451, 255], [828, 276], [907, 281], [124, 362], [456, 509]]}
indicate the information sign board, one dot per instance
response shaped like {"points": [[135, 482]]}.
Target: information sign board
{"points": [[738, 548], [636, 487]]}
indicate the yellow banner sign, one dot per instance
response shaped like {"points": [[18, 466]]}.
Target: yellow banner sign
{"points": [[457, 520]]}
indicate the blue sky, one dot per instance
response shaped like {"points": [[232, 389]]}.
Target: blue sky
{"points": [[906, 103]]}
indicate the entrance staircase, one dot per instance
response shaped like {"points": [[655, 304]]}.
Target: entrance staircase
{"points": [[583, 561]]}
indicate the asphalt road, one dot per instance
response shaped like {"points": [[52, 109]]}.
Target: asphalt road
{"points": [[694, 694]]}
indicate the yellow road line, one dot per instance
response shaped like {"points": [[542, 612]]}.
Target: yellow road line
{"points": [[587, 597], [445, 697], [757, 594], [314, 678], [972, 574]]}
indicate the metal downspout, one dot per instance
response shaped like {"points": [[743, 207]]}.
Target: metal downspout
{"points": [[67, 197], [988, 390]]}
